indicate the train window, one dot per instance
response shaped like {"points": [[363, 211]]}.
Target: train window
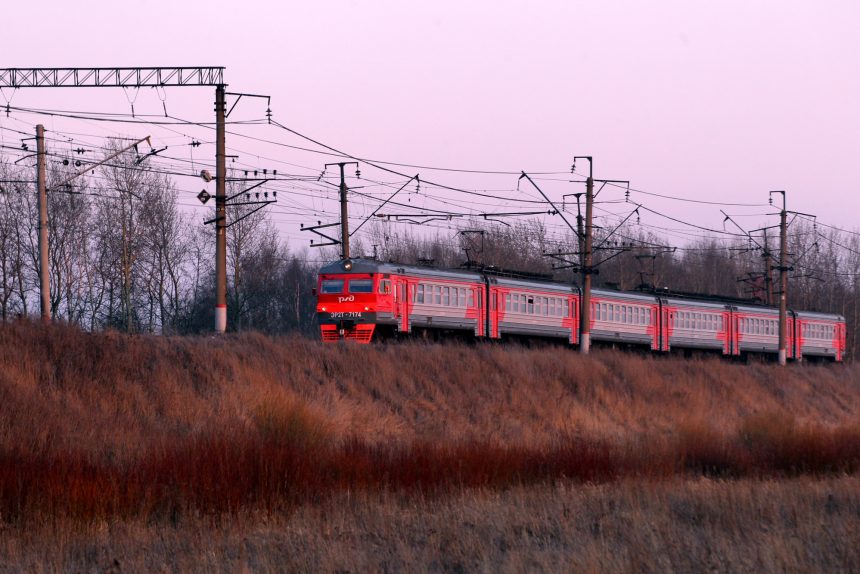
{"points": [[361, 286], [437, 294], [385, 286], [507, 301], [446, 296], [332, 286], [531, 305], [471, 298], [419, 293]]}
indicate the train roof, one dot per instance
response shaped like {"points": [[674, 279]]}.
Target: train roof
{"points": [[819, 315], [534, 284], [361, 265]]}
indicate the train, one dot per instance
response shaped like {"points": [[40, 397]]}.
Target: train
{"points": [[364, 300]]}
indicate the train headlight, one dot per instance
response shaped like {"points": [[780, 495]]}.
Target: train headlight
{"points": [[323, 308], [366, 308], [347, 264]]}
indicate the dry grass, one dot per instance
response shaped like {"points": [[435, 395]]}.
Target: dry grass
{"points": [[116, 437], [798, 525]]}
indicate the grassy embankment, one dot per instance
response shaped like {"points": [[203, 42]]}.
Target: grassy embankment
{"points": [[117, 435]]}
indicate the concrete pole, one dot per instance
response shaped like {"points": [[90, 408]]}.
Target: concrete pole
{"points": [[344, 216], [585, 313], [41, 180], [220, 212], [783, 281]]}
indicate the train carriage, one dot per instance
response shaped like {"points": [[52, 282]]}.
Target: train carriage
{"points": [[532, 308], [756, 330], [819, 335], [697, 324], [442, 300], [627, 318]]}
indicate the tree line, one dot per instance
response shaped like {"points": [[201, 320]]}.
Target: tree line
{"points": [[125, 256]]}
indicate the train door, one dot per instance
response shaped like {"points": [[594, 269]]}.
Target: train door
{"points": [[735, 325], [401, 304], [667, 319], [841, 341], [573, 319], [483, 316], [726, 333], [494, 313], [790, 349], [655, 329]]}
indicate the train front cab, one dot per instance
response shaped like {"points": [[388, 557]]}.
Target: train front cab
{"points": [[354, 301]]}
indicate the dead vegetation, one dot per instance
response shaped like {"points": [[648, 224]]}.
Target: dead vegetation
{"points": [[115, 432]]}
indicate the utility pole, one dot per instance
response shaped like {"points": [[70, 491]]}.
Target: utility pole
{"points": [[41, 181], [344, 216], [585, 314], [783, 280], [586, 261], [344, 207], [220, 211]]}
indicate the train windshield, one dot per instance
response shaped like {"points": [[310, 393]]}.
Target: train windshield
{"points": [[361, 286], [330, 286]]}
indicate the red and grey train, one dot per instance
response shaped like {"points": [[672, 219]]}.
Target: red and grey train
{"points": [[362, 300]]}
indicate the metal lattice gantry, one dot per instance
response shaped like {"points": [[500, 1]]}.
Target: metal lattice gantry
{"points": [[110, 77], [139, 78]]}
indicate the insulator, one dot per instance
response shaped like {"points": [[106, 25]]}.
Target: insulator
{"points": [[65, 162], [77, 163]]}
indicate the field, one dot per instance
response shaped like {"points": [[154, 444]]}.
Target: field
{"points": [[129, 453]]}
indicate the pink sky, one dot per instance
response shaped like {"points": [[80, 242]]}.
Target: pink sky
{"points": [[720, 101]]}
